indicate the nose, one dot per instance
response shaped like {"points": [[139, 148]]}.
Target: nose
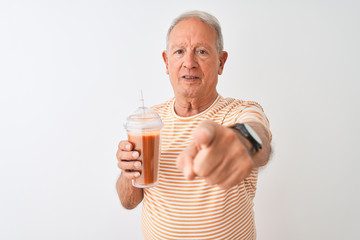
{"points": [[190, 61]]}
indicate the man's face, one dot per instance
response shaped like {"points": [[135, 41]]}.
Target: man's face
{"points": [[192, 60]]}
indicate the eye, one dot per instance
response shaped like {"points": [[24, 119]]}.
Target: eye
{"points": [[202, 52], [179, 51]]}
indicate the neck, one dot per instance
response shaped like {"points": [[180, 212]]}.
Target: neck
{"points": [[187, 107]]}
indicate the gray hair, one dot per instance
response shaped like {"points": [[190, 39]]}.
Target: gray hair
{"points": [[206, 18]]}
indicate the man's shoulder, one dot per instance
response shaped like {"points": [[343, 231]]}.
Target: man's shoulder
{"points": [[163, 107], [234, 103]]}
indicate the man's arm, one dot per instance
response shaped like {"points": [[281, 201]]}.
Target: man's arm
{"points": [[129, 196], [128, 162], [221, 156]]}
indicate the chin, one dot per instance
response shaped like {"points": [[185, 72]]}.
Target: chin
{"points": [[189, 93]]}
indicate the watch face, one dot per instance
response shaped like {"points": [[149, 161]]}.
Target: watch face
{"points": [[253, 133]]}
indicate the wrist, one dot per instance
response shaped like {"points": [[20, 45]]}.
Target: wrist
{"points": [[244, 141], [248, 137]]}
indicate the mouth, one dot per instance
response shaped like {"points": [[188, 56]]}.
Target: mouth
{"points": [[190, 78]]}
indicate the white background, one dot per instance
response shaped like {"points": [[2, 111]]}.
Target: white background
{"points": [[71, 70]]}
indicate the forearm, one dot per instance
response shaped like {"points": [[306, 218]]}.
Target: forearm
{"points": [[129, 196]]}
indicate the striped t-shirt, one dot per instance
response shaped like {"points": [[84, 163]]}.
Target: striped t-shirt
{"points": [[191, 209]]}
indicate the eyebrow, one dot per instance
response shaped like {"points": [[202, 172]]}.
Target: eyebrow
{"points": [[182, 45]]}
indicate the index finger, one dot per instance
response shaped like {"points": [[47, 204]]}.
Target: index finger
{"points": [[125, 145], [184, 161]]}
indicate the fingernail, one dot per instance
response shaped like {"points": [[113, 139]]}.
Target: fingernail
{"points": [[137, 174], [128, 147], [135, 154], [137, 164]]}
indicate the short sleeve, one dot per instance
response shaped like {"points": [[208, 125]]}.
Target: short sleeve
{"points": [[253, 112]]}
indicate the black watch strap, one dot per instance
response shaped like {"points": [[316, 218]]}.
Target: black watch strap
{"points": [[244, 129]]}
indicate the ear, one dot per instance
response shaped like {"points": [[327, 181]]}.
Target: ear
{"points": [[222, 59], [165, 58]]}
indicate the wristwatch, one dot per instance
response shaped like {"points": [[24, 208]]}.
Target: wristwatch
{"points": [[249, 134]]}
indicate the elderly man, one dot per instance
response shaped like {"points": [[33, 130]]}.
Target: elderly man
{"points": [[211, 146]]}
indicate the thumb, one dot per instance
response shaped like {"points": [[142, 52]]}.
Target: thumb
{"points": [[204, 134]]}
